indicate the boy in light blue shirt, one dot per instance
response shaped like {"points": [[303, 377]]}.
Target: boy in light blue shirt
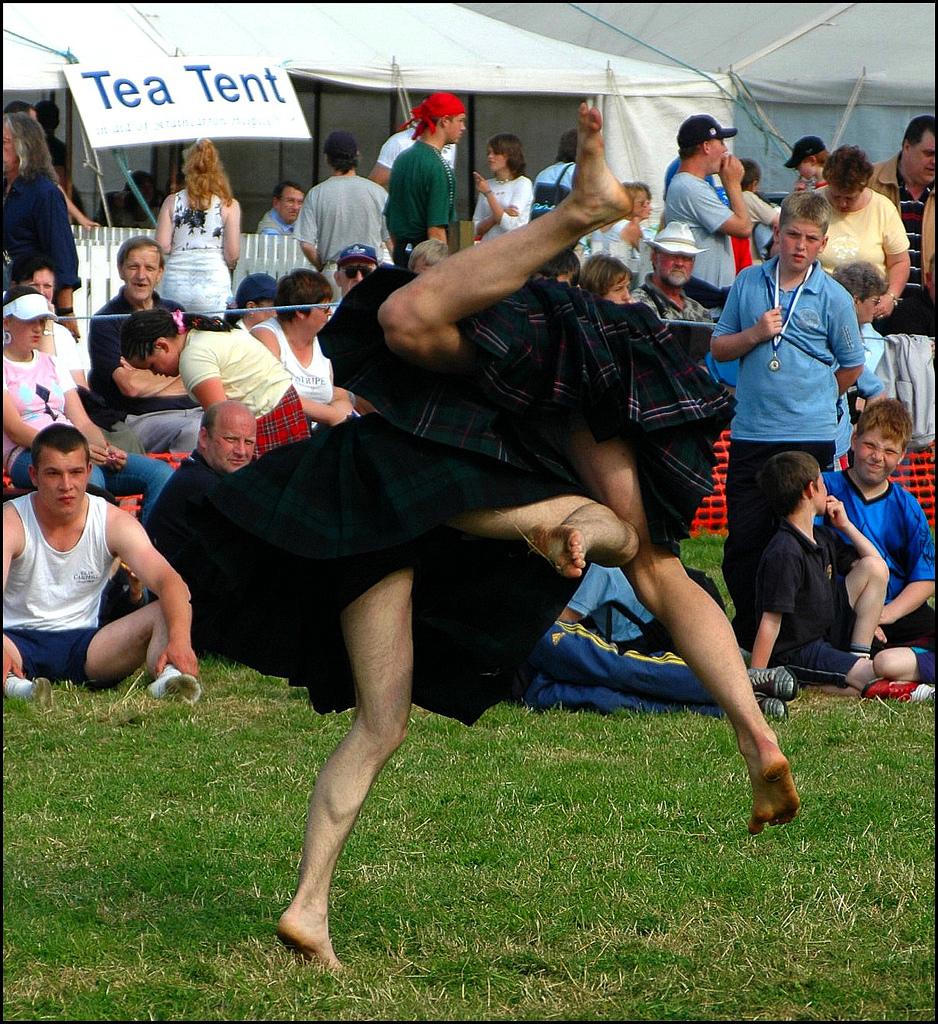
{"points": [[795, 332]]}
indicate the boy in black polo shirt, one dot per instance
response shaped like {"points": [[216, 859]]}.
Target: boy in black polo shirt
{"points": [[816, 624]]}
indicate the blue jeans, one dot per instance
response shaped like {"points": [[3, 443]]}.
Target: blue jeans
{"points": [[140, 475]]}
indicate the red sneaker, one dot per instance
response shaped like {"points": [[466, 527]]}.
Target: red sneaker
{"points": [[887, 689]]}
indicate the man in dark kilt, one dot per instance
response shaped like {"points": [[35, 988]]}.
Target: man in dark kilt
{"points": [[471, 365]]}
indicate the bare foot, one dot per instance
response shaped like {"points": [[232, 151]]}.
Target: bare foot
{"points": [[775, 800], [607, 539], [297, 932], [563, 546], [597, 195]]}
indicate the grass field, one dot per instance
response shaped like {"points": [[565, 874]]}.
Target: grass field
{"points": [[554, 866]]}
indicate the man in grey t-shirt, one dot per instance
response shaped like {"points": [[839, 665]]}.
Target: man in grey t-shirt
{"points": [[692, 200], [342, 210]]}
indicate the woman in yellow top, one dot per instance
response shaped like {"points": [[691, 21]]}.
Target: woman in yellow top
{"points": [[864, 226], [215, 363]]}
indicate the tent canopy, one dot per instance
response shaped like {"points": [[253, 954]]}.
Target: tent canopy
{"points": [[369, 46], [794, 53], [408, 47]]}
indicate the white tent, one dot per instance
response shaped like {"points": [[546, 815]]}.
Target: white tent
{"points": [[808, 53], [40, 39], [388, 47], [804, 65]]}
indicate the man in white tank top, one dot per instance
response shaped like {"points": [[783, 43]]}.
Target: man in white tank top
{"points": [[58, 547]]}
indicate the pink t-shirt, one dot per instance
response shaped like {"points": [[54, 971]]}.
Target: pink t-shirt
{"points": [[38, 389]]}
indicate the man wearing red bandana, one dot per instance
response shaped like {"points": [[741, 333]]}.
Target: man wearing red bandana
{"points": [[422, 191]]}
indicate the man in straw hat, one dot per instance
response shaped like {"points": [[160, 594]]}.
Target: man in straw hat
{"points": [[672, 259]]}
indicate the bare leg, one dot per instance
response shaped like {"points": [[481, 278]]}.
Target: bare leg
{"points": [[419, 319], [896, 663], [701, 631], [377, 632], [122, 646], [568, 531], [866, 590]]}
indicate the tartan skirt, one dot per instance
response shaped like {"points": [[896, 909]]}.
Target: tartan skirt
{"points": [[285, 424], [547, 353], [279, 548]]}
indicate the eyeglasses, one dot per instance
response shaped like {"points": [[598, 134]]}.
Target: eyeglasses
{"points": [[363, 269]]}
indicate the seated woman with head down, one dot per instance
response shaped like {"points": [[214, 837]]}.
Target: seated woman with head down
{"points": [[217, 363]]}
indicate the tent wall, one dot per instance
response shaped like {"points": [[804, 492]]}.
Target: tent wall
{"points": [[876, 130]]}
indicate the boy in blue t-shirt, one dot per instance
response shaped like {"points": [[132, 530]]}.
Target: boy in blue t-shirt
{"points": [[819, 625], [891, 518]]}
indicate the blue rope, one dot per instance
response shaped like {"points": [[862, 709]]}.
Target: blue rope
{"points": [[103, 317]]}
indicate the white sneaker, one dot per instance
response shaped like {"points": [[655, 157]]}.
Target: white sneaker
{"points": [[923, 694], [183, 687], [38, 690]]}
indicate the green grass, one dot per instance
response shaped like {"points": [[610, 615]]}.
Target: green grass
{"points": [[536, 866]]}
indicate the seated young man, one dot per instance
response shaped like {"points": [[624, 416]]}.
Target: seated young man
{"points": [[816, 624], [893, 521], [59, 544]]}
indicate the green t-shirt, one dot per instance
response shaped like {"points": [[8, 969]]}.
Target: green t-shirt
{"points": [[421, 194]]}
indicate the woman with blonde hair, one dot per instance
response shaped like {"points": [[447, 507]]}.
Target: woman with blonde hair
{"points": [[626, 239], [199, 230]]}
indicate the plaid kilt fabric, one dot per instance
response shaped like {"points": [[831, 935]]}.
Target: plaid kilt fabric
{"points": [[292, 539], [284, 424], [364, 486], [548, 351], [302, 532]]}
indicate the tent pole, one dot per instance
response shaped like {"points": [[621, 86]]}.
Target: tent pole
{"points": [[317, 129], [471, 152], [91, 161]]}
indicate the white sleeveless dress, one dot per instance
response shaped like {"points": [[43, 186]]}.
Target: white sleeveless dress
{"points": [[196, 274]]}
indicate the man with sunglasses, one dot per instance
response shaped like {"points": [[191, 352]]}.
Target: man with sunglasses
{"points": [[353, 264]]}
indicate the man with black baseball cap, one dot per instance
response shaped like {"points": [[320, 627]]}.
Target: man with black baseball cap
{"points": [[691, 200], [343, 210], [807, 157]]}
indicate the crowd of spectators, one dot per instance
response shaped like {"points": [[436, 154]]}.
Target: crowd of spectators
{"points": [[798, 300]]}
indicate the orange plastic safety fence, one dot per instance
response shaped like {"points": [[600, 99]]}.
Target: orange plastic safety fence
{"points": [[916, 473]]}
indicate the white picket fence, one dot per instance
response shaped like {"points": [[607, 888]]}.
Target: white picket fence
{"points": [[97, 263]]}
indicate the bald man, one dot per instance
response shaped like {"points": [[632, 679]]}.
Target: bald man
{"points": [[226, 443]]}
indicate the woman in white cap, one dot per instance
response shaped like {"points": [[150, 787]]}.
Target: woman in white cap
{"points": [[38, 391]]}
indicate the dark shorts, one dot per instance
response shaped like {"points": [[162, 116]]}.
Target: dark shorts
{"points": [[819, 664], [55, 654]]}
